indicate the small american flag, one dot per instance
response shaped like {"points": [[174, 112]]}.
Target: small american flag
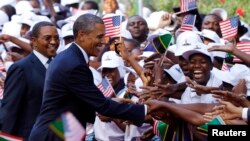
{"points": [[226, 66], [229, 28], [113, 25], [188, 23], [155, 128], [106, 88], [244, 47], [187, 5], [73, 130]]}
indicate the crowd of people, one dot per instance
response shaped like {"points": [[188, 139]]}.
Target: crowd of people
{"points": [[161, 78]]}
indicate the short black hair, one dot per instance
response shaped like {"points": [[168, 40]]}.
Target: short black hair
{"points": [[93, 4], [86, 23], [37, 27], [9, 10]]}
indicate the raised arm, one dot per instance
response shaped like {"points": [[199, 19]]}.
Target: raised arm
{"points": [[230, 48]]}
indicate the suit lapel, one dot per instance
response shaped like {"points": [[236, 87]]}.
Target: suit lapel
{"points": [[37, 64], [75, 48]]}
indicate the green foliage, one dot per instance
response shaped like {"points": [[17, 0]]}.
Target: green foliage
{"points": [[204, 6]]}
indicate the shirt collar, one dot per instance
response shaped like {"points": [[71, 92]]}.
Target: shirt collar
{"points": [[84, 53], [41, 57]]}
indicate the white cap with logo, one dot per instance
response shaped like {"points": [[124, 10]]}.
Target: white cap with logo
{"points": [[186, 41], [110, 59]]}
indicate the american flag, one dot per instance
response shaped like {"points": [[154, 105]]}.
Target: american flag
{"points": [[244, 47], [188, 23], [187, 5], [113, 25], [226, 66], [73, 130], [7, 137], [106, 88], [155, 128], [229, 28]]}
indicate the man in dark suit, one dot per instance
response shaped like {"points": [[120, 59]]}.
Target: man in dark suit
{"points": [[24, 84], [69, 84]]}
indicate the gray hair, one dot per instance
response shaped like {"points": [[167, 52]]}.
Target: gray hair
{"points": [[86, 23]]}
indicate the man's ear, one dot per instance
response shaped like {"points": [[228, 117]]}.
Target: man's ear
{"points": [[81, 35], [33, 41]]}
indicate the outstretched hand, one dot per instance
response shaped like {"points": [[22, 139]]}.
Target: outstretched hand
{"points": [[155, 109], [236, 99], [200, 89], [228, 111], [225, 48], [166, 89]]}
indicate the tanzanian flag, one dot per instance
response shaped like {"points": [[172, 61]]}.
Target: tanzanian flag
{"points": [[166, 131], [203, 129], [57, 127], [162, 42]]}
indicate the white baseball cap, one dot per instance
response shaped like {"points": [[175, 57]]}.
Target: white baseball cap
{"points": [[224, 76], [4, 17], [198, 48], [110, 59], [175, 72], [28, 18], [23, 6], [210, 35], [239, 71], [186, 41], [67, 30], [222, 13]]}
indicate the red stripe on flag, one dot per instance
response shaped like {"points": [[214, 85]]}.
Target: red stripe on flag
{"points": [[244, 47]]}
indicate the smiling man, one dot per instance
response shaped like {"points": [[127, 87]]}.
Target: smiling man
{"points": [[200, 66], [69, 84], [23, 90]]}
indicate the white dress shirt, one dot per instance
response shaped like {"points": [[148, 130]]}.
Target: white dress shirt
{"points": [[42, 58]]}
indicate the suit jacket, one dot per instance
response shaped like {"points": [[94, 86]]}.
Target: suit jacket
{"points": [[69, 86], [22, 96]]}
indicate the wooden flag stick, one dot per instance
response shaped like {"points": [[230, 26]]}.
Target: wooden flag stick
{"points": [[5, 48], [162, 58], [194, 20]]}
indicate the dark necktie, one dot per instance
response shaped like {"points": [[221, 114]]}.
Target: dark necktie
{"points": [[49, 60]]}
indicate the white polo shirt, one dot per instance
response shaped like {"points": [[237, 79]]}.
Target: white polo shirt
{"points": [[190, 96]]}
